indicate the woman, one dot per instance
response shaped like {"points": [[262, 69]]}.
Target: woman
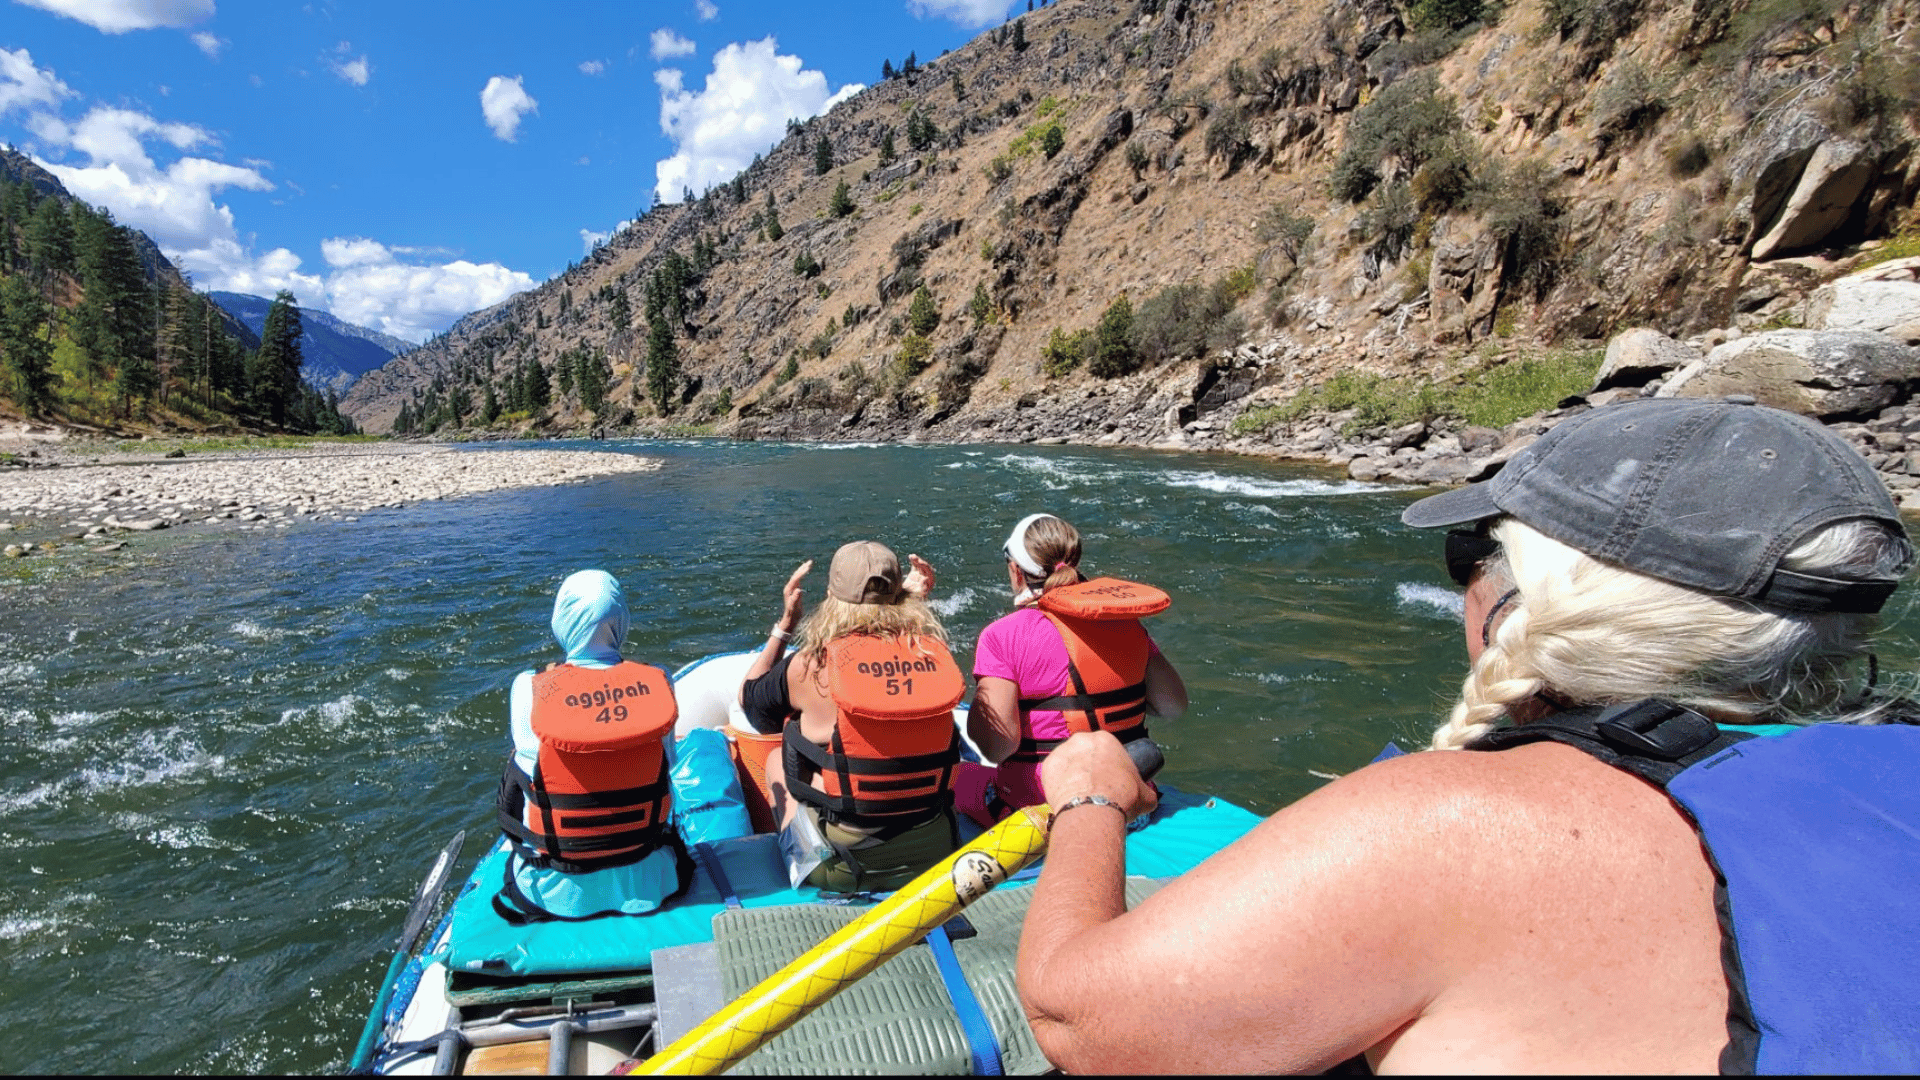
{"points": [[865, 706], [586, 802], [1633, 873], [1072, 656]]}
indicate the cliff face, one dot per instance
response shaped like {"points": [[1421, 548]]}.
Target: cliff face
{"points": [[1281, 191]]}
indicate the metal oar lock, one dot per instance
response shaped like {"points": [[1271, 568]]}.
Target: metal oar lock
{"points": [[850, 953]]}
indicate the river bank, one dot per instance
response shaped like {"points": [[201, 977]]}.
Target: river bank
{"points": [[58, 492]]}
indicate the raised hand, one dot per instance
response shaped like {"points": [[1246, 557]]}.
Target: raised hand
{"points": [[919, 580], [794, 599]]}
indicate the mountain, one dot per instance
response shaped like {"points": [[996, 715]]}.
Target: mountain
{"points": [[335, 353], [1280, 191]]}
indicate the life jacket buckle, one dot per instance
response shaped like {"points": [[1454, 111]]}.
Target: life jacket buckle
{"points": [[1655, 728]]}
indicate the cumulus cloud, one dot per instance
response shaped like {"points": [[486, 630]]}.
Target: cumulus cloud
{"points": [[354, 69], [25, 87], [707, 10], [120, 16], [667, 45], [590, 239], [370, 286], [503, 102], [592, 67], [744, 108], [209, 43], [969, 13]]}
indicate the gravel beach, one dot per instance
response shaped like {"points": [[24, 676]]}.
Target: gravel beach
{"points": [[69, 497]]}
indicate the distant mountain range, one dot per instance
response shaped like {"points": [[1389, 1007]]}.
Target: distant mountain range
{"points": [[335, 353]]}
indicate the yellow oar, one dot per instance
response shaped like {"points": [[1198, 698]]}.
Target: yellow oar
{"points": [[856, 949]]}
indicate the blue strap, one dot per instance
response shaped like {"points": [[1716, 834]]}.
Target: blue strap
{"points": [[982, 1044], [710, 862]]}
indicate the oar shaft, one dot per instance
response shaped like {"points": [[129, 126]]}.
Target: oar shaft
{"points": [[856, 949]]}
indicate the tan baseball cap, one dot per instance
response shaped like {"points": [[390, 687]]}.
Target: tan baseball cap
{"points": [[865, 572]]}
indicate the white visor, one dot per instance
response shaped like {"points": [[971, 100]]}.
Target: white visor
{"points": [[1016, 546]]}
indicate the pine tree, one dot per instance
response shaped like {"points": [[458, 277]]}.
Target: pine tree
{"points": [[1019, 35], [886, 70], [959, 88], [539, 392], [620, 312], [274, 381], [739, 189], [822, 155], [920, 130], [113, 325], [886, 147], [842, 202], [50, 245], [910, 66], [490, 411], [981, 306], [774, 231], [922, 314], [663, 366], [29, 354]]}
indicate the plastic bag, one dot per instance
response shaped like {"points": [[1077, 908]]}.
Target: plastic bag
{"points": [[708, 804]]}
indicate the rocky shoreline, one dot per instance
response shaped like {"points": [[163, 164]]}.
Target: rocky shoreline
{"points": [[57, 494]]}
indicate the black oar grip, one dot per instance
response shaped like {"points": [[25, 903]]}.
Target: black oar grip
{"points": [[1146, 757]]}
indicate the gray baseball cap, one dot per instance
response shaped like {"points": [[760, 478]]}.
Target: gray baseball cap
{"points": [[1707, 494]]}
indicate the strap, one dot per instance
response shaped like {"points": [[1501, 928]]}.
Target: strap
{"points": [[710, 862], [1088, 702], [852, 809], [982, 1044], [1034, 750], [1654, 739]]}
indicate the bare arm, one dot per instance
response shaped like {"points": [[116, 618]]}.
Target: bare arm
{"points": [[794, 605], [993, 723], [1306, 942], [1166, 691]]}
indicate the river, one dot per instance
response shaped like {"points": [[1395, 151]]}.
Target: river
{"points": [[228, 759]]}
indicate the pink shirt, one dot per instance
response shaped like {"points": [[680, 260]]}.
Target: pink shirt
{"points": [[1024, 648]]}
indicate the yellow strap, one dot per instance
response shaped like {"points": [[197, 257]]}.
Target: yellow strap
{"points": [[856, 949]]}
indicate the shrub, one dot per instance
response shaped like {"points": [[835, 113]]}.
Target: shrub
{"points": [[922, 314], [1409, 120], [1236, 285], [1445, 180], [1229, 135], [1052, 140], [1443, 14], [981, 306], [806, 265], [1389, 221], [1523, 211], [1136, 158], [1689, 157], [1871, 88], [788, 371], [998, 169], [915, 352], [1112, 350], [1630, 102], [1063, 352], [1281, 228], [842, 203], [1179, 321]]}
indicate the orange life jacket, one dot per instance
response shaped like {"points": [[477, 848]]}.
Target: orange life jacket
{"points": [[599, 794], [1107, 651], [894, 749]]}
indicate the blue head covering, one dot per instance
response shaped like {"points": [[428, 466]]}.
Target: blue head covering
{"points": [[590, 617]]}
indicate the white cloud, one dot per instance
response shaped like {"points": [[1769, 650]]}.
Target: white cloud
{"points": [[120, 16], [707, 9], [503, 102], [26, 87], [744, 108], [969, 13], [210, 43], [667, 45], [371, 287], [590, 239], [356, 71], [592, 67]]}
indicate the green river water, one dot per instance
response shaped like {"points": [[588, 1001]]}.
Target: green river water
{"points": [[226, 761]]}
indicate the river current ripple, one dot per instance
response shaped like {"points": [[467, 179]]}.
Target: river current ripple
{"points": [[226, 763]]}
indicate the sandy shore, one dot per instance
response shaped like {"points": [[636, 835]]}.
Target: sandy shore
{"points": [[69, 498]]}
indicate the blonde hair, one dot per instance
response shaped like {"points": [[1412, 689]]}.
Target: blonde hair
{"points": [[1055, 546], [1586, 632], [833, 619]]}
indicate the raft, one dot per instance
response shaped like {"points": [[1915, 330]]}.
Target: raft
{"points": [[483, 996]]}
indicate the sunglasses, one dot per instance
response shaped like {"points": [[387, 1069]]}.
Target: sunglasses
{"points": [[1467, 549]]}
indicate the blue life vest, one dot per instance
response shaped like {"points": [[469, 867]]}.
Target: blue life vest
{"points": [[1814, 837]]}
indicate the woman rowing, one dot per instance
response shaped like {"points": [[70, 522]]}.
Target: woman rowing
{"points": [[1072, 656]]}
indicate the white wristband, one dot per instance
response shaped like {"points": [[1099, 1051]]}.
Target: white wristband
{"points": [[778, 634]]}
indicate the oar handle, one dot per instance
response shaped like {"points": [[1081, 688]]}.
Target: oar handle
{"points": [[856, 949]]}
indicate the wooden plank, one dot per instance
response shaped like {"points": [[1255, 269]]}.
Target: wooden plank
{"points": [[510, 1059]]}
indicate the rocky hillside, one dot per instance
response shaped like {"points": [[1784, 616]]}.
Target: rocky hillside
{"points": [[1279, 192], [334, 352]]}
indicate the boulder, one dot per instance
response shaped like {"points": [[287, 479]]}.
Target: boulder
{"points": [[1463, 281], [1640, 356], [1772, 159], [1835, 178], [1829, 374], [1878, 298], [1365, 468]]}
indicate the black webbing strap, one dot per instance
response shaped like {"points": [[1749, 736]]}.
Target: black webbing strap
{"points": [[1036, 750], [1083, 702], [1653, 739], [546, 848], [850, 809]]}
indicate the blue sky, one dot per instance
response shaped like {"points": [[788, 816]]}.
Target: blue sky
{"points": [[401, 163]]}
